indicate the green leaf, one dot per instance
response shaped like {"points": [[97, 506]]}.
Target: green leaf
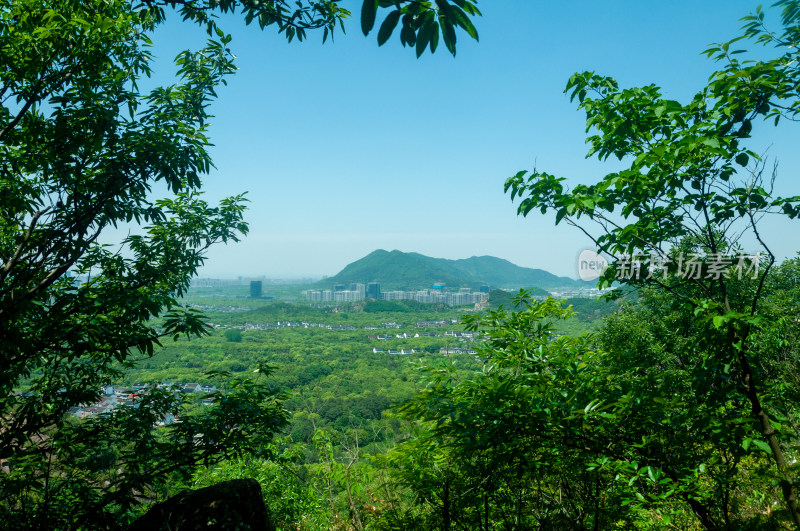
{"points": [[762, 445], [424, 36], [387, 27], [368, 11], [742, 159], [463, 20], [434, 36], [448, 33]]}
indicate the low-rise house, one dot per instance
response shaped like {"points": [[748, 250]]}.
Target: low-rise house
{"points": [[108, 403], [208, 388], [457, 350], [124, 392], [192, 387]]}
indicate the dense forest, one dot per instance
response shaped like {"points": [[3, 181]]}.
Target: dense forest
{"points": [[670, 403], [341, 395]]}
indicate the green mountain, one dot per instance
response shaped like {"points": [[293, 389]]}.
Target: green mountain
{"points": [[399, 270]]}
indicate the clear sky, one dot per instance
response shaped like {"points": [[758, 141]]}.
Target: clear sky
{"points": [[346, 147]]}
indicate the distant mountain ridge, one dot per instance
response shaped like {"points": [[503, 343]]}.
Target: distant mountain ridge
{"points": [[399, 270]]}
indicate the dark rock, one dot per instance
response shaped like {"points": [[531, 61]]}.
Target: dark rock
{"points": [[230, 505]]}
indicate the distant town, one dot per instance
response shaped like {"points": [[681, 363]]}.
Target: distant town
{"points": [[438, 293], [112, 398], [372, 290]]}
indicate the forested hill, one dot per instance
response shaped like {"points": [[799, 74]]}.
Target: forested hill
{"points": [[399, 270]]}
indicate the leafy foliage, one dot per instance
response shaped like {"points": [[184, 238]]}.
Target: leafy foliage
{"points": [[691, 191], [638, 426], [509, 444], [82, 150], [234, 335], [421, 23]]}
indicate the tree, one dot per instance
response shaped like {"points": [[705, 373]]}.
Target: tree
{"points": [[677, 407], [234, 335], [81, 150], [673, 219], [503, 445], [638, 426]]}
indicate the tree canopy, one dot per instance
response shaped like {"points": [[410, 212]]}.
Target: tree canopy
{"points": [[676, 221], [680, 411], [82, 150]]}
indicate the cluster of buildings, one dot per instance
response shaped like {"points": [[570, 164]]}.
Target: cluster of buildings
{"points": [[372, 290], [356, 292], [405, 335], [461, 297], [457, 350], [282, 324], [410, 351], [438, 323], [112, 398], [464, 336], [337, 327], [244, 281], [397, 352]]}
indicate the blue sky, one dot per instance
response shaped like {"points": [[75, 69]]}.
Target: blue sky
{"points": [[346, 147]]}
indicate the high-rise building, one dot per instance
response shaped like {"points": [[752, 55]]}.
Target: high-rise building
{"points": [[373, 290], [255, 289]]}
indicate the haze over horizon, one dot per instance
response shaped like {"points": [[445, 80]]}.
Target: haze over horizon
{"points": [[326, 275], [346, 147]]}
